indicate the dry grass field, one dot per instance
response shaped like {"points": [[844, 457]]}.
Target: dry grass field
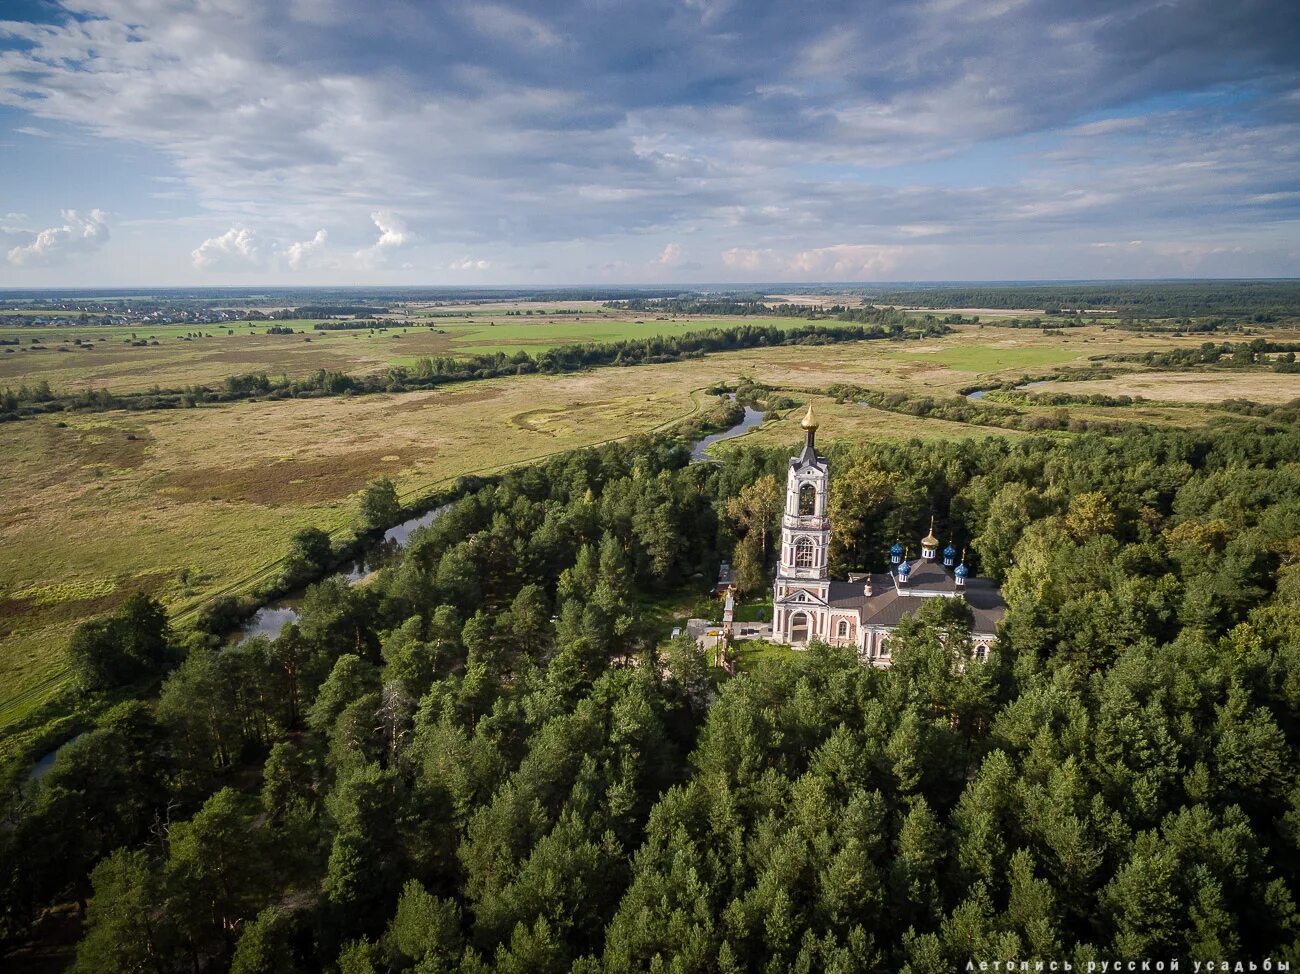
{"points": [[184, 503], [113, 363], [1190, 387]]}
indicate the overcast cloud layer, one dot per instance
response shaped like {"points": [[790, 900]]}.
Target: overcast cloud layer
{"points": [[322, 141]]}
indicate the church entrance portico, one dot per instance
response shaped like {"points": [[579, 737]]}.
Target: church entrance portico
{"points": [[800, 627]]}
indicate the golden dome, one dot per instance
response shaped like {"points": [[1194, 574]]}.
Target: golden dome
{"points": [[809, 420], [930, 541]]}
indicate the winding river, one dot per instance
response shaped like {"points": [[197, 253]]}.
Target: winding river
{"points": [[272, 617], [981, 393], [753, 417]]}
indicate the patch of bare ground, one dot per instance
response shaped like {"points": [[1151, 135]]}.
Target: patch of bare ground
{"points": [[307, 480], [423, 343], [300, 357], [469, 393], [72, 453]]}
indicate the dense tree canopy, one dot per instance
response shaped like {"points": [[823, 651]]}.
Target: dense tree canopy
{"points": [[480, 761]]}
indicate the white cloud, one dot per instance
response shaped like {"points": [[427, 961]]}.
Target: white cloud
{"points": [[749, 260], [78, 235], [1170, 256], [849, 262], [469, 264], [392, 235], [392, 231], [838, 262], [301, 252], [237, 247], [670, 256], [924, 229]]}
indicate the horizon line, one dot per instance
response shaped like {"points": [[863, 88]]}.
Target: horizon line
{"points": [[732, 285]]}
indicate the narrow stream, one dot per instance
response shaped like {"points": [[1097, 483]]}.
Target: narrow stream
{"points": [[272, 617], [42, 767], [753, 417]]}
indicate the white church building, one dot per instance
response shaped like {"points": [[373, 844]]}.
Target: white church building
{"points": [[864, 610]]}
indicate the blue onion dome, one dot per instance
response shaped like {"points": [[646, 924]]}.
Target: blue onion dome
{"points": [[949, 552], [962, 571], [897, 550], [904, 570]]}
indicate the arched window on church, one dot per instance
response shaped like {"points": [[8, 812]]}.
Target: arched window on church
{"points": [[842, 630], [807, 500], [804, 551]]}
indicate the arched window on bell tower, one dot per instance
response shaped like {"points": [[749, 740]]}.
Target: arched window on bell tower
{"points": [[805, 553], [807, 500]]}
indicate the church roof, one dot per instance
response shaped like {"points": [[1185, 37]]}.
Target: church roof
{"points": [[887, 607], [929, 575], [808, 457]]}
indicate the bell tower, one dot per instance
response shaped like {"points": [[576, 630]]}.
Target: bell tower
{"points": [[801, 593]]}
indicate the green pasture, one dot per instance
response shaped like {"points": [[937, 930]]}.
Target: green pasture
{"points": [[541, 333], [998, 357]]}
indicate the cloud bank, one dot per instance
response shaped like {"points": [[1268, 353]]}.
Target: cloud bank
{"points": [[78, 235], [237, 247], [944, 138]]}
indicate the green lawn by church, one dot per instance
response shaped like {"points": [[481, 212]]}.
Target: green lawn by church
{"points": [[754, 610], [753, 653]]}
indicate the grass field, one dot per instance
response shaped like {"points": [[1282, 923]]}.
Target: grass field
{"points": [[114, 503], [536, 336], [850, 421], [1190, 387], [1000, 356], [188, 503], [234, 349], [114, 363], [177, 361]]}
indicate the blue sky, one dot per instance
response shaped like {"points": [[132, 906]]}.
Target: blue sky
{"points": [[401, 142]]}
